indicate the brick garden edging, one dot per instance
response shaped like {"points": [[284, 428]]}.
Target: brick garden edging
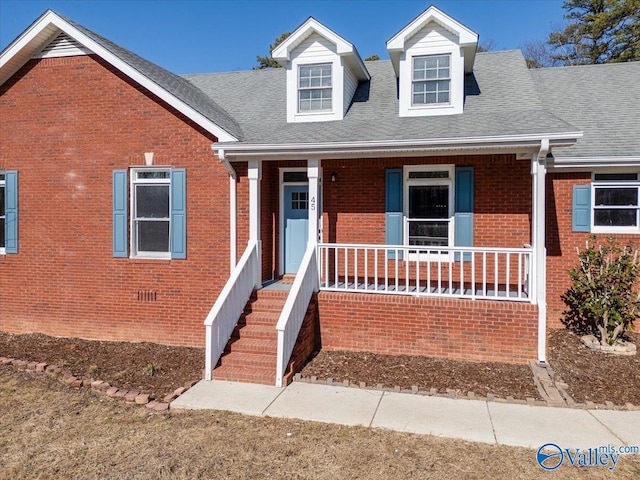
{"points": [[566, 401], [100, 386]]}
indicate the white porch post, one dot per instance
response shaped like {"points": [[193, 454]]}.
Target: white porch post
{"points": [[313, 173], [538, 233], [255, 176]]}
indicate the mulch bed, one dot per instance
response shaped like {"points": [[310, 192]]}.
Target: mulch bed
{"points": [[158, 370], [595, 376], [146, 367], [406, 371]]}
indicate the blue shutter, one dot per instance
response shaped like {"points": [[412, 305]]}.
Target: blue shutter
{"points": [[463, 236], [178, 239], [11, 211], [120, 202], [393, 209], [581, 217]]}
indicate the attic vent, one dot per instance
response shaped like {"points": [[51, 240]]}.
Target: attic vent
{"points": [[63, 46]]}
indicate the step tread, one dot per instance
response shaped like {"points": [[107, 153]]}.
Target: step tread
{"points": [[252, 345], [240, 374]]}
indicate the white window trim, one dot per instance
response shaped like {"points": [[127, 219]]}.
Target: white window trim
{"points": [[406, 183], [456, 86], [133, 174], [337, 91], [614, 184]]}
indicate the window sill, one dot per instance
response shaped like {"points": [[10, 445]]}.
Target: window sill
{"points": [[616, 230]]}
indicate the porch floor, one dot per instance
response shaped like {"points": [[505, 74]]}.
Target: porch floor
{"points": [[433, 290]]}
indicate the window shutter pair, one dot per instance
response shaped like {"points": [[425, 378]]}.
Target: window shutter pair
{"points": [[11, 211], [463, 236], [178, 234]]}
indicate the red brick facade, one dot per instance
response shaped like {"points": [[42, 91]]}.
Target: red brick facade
{"points": [[67, 123], [562, 242]]}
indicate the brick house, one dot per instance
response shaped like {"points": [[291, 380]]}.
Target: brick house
{"points": [[429, 204]]}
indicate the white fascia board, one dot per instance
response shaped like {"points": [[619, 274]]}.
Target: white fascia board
{"points": [[465, 35], [566, 163], [243, 151], [26, 40], [282, 53], [311, 25]]}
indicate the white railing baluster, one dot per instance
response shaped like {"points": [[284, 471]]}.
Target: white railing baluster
{"points": [[448, 270], [461, 254], [484, 274], [508, 271], [519, 275], [375, 269], [495, 274], [473, 274]]}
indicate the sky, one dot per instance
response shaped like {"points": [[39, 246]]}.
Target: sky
{"points": [[202, 36]]}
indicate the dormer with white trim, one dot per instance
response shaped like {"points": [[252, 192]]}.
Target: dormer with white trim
{"points": [[431, 56], [323, 72]]}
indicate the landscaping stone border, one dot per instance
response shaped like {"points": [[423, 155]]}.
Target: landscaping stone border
{"points": [[129, 396], [551, 389]]}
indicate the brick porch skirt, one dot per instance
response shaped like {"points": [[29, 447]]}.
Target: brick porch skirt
{"points": [[476, 330]]}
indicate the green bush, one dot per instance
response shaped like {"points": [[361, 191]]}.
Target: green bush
{"points": [[603, 298]]}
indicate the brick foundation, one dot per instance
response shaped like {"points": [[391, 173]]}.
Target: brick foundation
{"points": [[459, 329]]}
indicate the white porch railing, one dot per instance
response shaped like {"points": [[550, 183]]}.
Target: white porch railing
{"points": [[295, 308], [226, 311], [457, 272]]}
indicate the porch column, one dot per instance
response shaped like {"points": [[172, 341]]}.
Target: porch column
{"points": [[538, 233], [255, 176], [313, 173]]}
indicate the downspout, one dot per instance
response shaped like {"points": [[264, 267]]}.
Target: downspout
{"points": [[540, 253], [233, 226]]}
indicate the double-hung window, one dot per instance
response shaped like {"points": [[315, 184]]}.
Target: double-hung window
{"points": [[314, 88], [3, 213], [615, 202], [431, 80], [429, 206], [151, 212]]}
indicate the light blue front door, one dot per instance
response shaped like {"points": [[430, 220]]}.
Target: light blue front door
{"points": [[296, 225]]}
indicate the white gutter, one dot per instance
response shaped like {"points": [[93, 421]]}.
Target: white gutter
{"points": [[239, 150], [560, 162], [233, 223]]}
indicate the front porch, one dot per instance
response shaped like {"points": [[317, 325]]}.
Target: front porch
{"points": [[441, 255]]}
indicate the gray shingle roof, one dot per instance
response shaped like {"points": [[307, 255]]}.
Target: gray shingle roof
{"points": [[501, 99], [172, 83], [601, 100]]}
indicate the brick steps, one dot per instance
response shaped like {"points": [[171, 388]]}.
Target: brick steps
{"points": [[265, 376], [250, 355]]}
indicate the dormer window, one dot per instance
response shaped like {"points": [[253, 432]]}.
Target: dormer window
{"points": [[431, 79], [431, 57], [314, 88], [323, 72]]}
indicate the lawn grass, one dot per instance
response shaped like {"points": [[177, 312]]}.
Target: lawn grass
{"points": [[52, 431]]}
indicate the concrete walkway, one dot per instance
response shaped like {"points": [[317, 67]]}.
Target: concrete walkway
{"points": [[472, 420]]}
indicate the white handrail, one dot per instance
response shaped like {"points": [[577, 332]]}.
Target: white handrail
{"points": [[457, 272], [295, 309], [226, 311]]}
